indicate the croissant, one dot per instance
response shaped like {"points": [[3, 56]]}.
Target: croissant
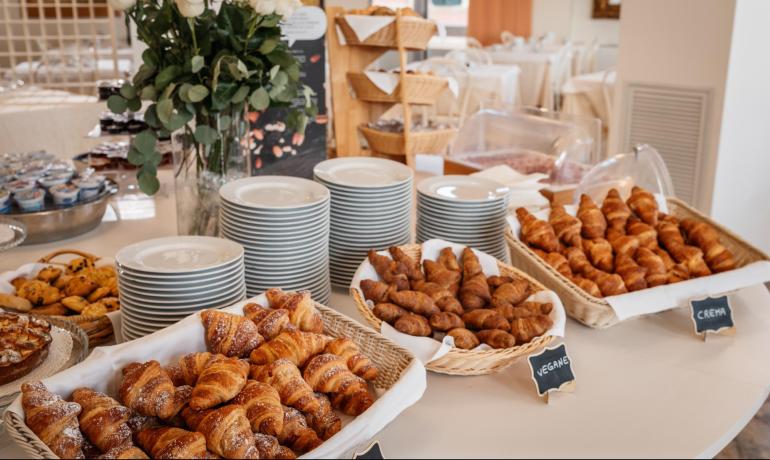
{"points": [[496, 338], [52, 419], [670, 237], [599, 252], [665, 257], [219, 382], [411, 267], [268, 447], [622, 243], [358, 363], [485, 319], [284, 376], [296, 346], [388, 312], [656, 274], [302, 311], [441, 296], [496, 281], [412, 324], [615, 210], [328, 373], [587, 285], [511, 294], [594, 223], [526, 329], [386, 268], [678, 272], [269, 322], [376, 291], [559, 262], [171, 443], [529, 309], [633, 275], [444, 321], [648, 237], [448, 259], [297, 434], [577, 259], [325, 422], [644, 205], [124, 452], [536, 232], [189, 367], [263, 407], [439, 274], [692, 258], [609, 284], [414, 301], [228, 334], [464, 339], [718, 257], [226, 429], [102, 419], [147, 389], [566, 227]]}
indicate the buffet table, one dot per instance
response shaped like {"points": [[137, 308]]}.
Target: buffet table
{"points": [[645, 388]]}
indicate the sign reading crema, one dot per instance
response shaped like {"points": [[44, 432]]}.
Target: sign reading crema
{"points": [[373, 452], [712, 314], [552, 371]]}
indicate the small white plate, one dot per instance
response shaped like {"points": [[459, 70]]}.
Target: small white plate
{"points": [[274, 192], [461, 206], [179, 255], [181, 282], [276, 236], [225, 301], [274, 216], [363, 172], [200, 292], [213, 298], [266, 226], [336, 188], [457, 188]]}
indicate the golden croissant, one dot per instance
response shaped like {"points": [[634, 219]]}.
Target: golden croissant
{"points": [[226, 429], [189, 367], [172, 443], [566, 227], [286, 378], [302, 311], [536, 232], [357, 362], [219, 382], [594, 223], [103, 420], [147, 389], [52, 419], [296, 346], [329, 373], [230, 335], [263, 407], [269, 322]]}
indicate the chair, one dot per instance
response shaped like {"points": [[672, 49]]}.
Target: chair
{"points": [[607, 96], [470, 56], [474, 43], [560, 73]]}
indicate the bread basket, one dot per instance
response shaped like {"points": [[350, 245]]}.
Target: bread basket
{"points": [[400, 383], [420, 89], [596, 312], [466, 362], [415, 34], [433, 141]]}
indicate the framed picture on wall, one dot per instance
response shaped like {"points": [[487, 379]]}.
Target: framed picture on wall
{"points": [[606, 9]]}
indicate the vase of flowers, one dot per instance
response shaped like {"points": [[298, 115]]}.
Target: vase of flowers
{"points": [[207, 64]]}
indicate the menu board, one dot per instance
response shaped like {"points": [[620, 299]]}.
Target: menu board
{"points": [[274, 148]]}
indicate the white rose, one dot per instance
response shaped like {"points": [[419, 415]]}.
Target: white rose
{"points": [[264, 7], [286, 8], [191, 8], [121, 4]]}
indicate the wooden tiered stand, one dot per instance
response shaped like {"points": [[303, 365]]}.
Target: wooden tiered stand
{"points": [[356, 101]]}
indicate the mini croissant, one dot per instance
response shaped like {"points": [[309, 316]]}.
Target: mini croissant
{"points": [[172, 443], [296, 346], [536, 232], [485, 319], [189, 367], [594, 223], [103, 420], [284, 376], [219, 382], [376, 291], [269, 322], [263, 407], [325, 422], [411, 267], [329, 373], [566, 227], [302, 311], [226, 429], [512, 293], [414, 301], [147, 389], [357, 362], [439, 274], [643, 203], [388, 270], [53, 420], [230, 335], [615, 210]]}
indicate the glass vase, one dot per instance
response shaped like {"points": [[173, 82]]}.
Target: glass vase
{"points": [[200, 169]]}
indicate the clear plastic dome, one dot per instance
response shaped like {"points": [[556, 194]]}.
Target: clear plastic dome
{"points": [[529, 141], [643, 167]]}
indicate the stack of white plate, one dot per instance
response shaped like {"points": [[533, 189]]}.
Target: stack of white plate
{"points": [[283, 225], [463, 209], [371, 208], [164, 280]]}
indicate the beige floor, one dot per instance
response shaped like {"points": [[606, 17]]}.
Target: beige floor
{"points": [[753, 441]]}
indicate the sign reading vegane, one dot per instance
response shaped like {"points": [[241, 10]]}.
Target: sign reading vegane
{"points": [[552, 371], [712, 314], [373, 452]]}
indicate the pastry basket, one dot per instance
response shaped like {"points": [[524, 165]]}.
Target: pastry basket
{"points": [[594, 311], [415, 34], [467, 362]]}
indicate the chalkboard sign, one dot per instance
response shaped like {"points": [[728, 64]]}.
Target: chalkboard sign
{"points": [[551, 370], [712, 314], [371, 453]]}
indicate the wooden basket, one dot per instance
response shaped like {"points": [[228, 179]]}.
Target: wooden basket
{"points": [[416, 33], [434, 141], [98, 328], [467, 362], [422, 89], [594, 311], [391, 361]]}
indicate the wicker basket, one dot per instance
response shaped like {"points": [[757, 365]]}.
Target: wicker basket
{"points": [[421, 89], [594, 311], [391, 360], [434, 141], [459, 361], [98, 328], [416, 33]]}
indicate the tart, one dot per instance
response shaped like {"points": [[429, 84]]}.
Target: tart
{"points": [[24, 344]]}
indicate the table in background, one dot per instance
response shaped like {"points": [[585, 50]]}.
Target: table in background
{"points": [[536, 67], [585, 95]]}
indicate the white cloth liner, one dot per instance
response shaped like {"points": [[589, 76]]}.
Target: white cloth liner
{"points": [[364, 26], [385, 81], [101, 371], [427, 349], [525, 188], [670, 296]]}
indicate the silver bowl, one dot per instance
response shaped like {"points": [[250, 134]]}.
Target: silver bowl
{"points": [[60, 223]]}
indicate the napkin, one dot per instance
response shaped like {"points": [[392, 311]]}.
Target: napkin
{"points": [[364, 26], [385, 81], [525, 188]]}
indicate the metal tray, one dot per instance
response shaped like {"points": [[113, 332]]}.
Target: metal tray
{"points": [[66, 222]]}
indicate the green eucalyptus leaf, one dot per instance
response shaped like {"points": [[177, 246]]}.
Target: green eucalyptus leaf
{"points": [[117, 103], [144, 142], [206, 134], [274, 71], [156, 159], [149, 93], [237, 69], [135, 104], [180, 118], [184, 92], [128, 91], [166, 76], [198, 93], [259, 99], [196, 63], [149, 184], [240, 95], [150, 57], [293, 72], [144, 73], [280, 57], [135, 157], [151, 116], [168, 91], [268, 45], [165, 110], [150, 168], [222, 95]]}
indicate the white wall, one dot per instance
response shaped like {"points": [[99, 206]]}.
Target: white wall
{"points": [[742, 184]]}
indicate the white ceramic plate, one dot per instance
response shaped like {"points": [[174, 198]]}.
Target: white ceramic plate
{"points": [[275, 236], [277, 216], [179, 255], [181, 282], [225, 301], [274, 192], [363, 172], [200, 292], [461, 206], [374, 191], [467, 189], [260, 226], [214, 297]]}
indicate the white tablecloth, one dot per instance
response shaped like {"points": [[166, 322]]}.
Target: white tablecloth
{"points": [[534, 81], [584, 95]]}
